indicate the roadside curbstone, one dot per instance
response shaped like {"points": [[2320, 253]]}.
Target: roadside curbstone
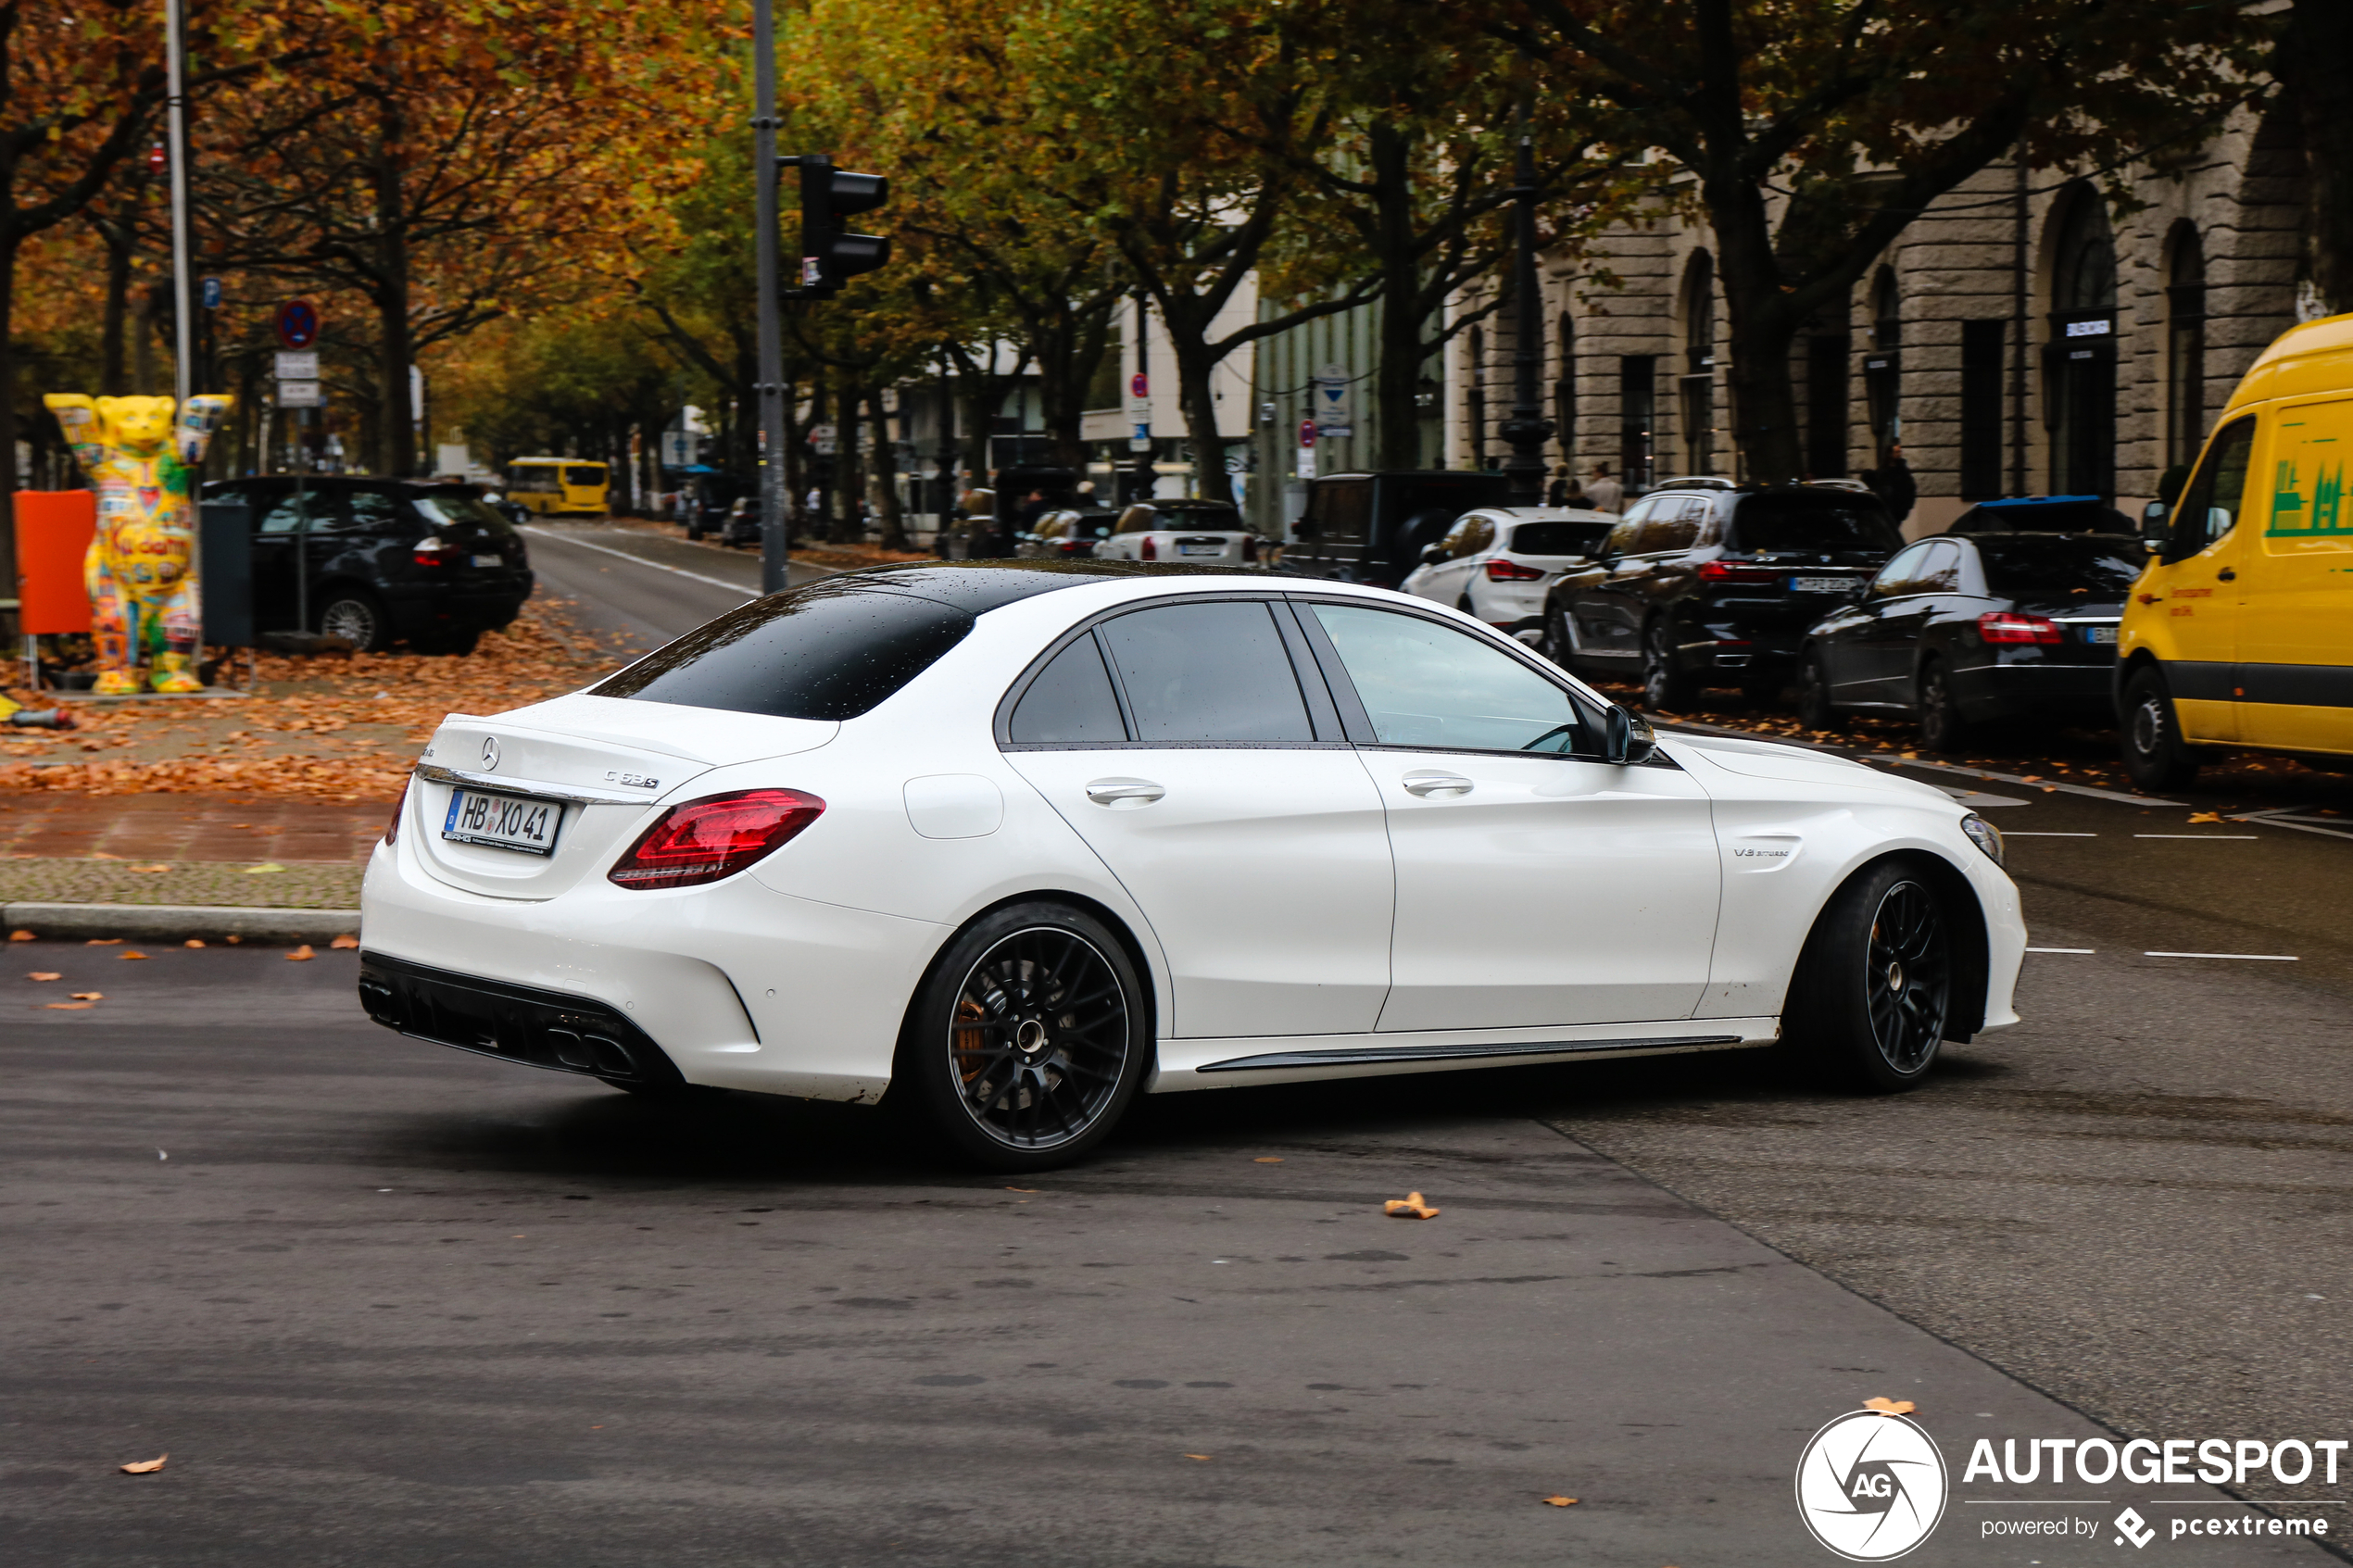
{"points": [[176, 922]]}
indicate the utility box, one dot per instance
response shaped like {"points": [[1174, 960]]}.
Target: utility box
{"points": [[53, 530], [224, 574]]}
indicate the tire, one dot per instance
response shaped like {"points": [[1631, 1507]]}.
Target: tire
{"points": [[1815, 709], [1874, 987], [2149, 732], [1028, 1040], [1944, 728], [357, 616], [1664, 686], [1464, 605]]}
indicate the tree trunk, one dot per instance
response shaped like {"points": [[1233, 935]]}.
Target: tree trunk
{"points": [[1194, 368], [1763, 333], [118, 238], [849, 472], [1397, 442], [894, 519], [397, 439], [1067, 353], [2316, 50]]}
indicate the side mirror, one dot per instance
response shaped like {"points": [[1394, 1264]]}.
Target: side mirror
{"points": [[1627, 736], [2155, 519], [1434, 554]]}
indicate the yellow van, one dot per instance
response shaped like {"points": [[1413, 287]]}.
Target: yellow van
{"points": [[2241, 630], [549, 486]]}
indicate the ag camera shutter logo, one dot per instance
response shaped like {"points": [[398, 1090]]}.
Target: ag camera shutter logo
{"points": [[1871, 1486]]}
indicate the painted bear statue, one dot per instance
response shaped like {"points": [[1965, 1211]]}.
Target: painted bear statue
{"points": [[141, 568]]}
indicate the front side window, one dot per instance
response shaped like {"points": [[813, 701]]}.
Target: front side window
{"points": [[1431, 686], [1894, 579], [1203, 673], [2210, 504], [825, 652]]}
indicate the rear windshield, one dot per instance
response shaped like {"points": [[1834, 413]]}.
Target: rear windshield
{"points": [[1772, 523], [2021, 563], [1558, 538], [462, 510], [1223, 518], [2088, 516], [585, 473], [825, 651]]}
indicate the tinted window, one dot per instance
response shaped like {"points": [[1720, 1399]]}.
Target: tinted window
{"points": [[1673, 525], [1206, 673], [1941, 572], [827, 651], [1894, 579], [1343, 509], [2021, 563], [2211, 506], [371, 511], [282, 513], [1430, 686], [1558, 538], [1810, 522], [462, 509], [1183, 514], [589, 474], [1070, 703]]}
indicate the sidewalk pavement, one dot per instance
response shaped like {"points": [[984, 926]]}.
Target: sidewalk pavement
{"points": [[242, 851]]}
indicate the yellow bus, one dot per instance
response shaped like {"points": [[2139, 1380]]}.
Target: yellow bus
{"points": [[548, 486]]}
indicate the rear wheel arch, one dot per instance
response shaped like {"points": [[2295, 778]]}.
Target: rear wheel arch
{"points": [[1112, 920]]}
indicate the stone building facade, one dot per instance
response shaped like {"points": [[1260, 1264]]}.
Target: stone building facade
{"points": [[2026, 335]]}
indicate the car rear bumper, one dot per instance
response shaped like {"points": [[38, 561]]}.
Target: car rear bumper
{"points": [[520, 1024], [1989, 690]]}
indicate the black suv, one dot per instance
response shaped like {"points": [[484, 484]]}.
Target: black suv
{"points": [[1715, 587], [372, 560], [1373, 527]]}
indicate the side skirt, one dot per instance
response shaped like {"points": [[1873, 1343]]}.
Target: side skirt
{"points": [[1290, 1059]]}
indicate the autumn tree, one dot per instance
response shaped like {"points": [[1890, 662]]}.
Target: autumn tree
{"points": [[1815, 130]]}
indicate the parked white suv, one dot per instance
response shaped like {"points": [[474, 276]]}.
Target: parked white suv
{"points": [[1494, 563], [1209, 532]]}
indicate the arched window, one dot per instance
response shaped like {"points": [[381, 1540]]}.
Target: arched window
{"points": [[1883, 368], [2081, 358], [2184, 347], [1565, 392], [1698, 386]]}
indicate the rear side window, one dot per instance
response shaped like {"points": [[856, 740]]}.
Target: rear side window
{"points": [[1674, 525], [818, 652], [2027, 562], [1207, 672], [1070, 703], [1558, 538], [1772, 523]]}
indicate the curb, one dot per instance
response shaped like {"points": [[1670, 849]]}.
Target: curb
{"points": [[172, 922]]}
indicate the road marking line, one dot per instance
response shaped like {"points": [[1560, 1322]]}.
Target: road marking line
{"points": [[640, 561], [2014, 833], [2238, 837], [2062, 949], [1894, 761], [2253, 958]]}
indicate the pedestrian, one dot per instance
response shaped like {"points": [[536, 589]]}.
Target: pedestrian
{"points": [[1893, 482], [1604, 493], [1574, 498], [1557, 493]]}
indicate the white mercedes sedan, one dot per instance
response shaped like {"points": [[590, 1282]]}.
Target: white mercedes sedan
{"points": [[1014, 842]]}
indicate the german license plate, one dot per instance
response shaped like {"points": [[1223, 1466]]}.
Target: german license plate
{"points": [[489, 560], [503, 822], [2099, 634], [1819, 585], [1200, 549]]}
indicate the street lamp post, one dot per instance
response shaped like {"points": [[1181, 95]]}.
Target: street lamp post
{"points": [[946, 449], [772, 542], [1526, 430], [176, 150]]}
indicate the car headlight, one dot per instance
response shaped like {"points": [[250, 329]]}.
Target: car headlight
{"points": [[1984, 835]]}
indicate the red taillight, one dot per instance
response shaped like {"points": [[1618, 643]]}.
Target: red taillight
{"points": [[1737, 571], [2008, 626], [1079, 546], [391, 828], [1250, 548], [1147, 550], [1512, 572], [433, 552], [704, 840]]}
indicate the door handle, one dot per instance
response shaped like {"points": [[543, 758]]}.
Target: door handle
{"points": [[2227, 575], [1123, 793], [1444, 786]]}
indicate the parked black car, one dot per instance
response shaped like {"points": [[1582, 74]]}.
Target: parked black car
{"points": [[2043, 514], [1711, 587], [1373, 527], [1965, 628], [376, 559]]}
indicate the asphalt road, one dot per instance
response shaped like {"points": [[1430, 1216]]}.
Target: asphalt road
{"points": [[642, 589], [383, 1302]]}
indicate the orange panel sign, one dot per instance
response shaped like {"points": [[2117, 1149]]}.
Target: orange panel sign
{"points": [[54, 529]]}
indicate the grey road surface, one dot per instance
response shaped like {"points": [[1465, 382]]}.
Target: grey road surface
{"points": [[641, 587], [384, 1304]]}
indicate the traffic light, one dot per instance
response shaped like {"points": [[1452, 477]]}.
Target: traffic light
{"points": [[829, 254]]}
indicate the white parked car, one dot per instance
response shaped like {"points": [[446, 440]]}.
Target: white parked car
{"points": [[1494, 563], [1016, 841], [1204, 532]]}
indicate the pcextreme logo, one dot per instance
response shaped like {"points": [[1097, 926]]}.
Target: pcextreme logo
{"points": [[1872, 1486]]}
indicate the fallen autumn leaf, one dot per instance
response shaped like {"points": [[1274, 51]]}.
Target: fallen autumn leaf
{"points": [[66, 1007], [301, 955], [1196, 1456], [2206, 816], [1410, 1207], [21, 936], [345, 943], [1268, 1159], [192, 942], [89, 996], [104, 942], [145, 1466], [1562, 1502], [1886, 1406], [126, 957], [45, 975]]}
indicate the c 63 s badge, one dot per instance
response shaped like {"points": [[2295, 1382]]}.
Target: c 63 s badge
{"points": [[1871, 1486]]}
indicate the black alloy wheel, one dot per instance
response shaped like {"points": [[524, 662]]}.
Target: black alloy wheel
{"points": [[355, 615], [1944, 728], [2156, 758], [1874, 989], [1028, 1040], [1663, 685], [1815, 709]]}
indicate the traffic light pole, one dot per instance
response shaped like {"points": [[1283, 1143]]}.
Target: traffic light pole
{"points": [[772, 542]]}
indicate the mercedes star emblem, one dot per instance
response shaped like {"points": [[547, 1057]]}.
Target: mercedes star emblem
{"points": [[490, 755]]}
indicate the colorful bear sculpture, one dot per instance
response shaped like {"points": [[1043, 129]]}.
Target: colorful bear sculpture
{"points": [[142, 569]]}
